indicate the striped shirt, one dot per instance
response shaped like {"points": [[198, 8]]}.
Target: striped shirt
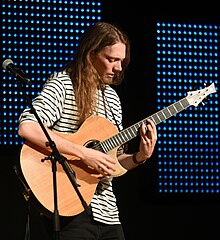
{"points": [[56, 107]]}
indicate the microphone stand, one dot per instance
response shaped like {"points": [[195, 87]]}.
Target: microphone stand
{"points": [[54, 157]]}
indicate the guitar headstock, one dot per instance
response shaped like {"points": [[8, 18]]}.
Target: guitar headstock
{"points": [[196, 97]]}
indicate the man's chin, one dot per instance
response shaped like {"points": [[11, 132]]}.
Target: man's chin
{"points": [[108, 80]]}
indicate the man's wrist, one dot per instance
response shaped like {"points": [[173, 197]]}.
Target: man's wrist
{"points": [[134, 159]]}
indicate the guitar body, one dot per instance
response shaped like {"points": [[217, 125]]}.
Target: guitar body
{"points": [[39, 177]]}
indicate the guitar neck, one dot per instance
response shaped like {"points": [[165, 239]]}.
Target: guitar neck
{"points": [[131, 132]]}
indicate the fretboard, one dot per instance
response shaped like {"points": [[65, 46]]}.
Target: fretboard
{"points": [[131, 132]]}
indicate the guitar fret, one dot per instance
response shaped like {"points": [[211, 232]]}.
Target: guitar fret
{"points": [[156, 118], [178, 106], [126, 135], [185, 103], [123, 136], [167, 113], [136, 128], [116, 140], [129, 133], [120, 137], [108, 146], [181, 103], [151, 118], [161, 116], [163, 112], [111, 143], [103, 147], [172, 109], [134, 131]]}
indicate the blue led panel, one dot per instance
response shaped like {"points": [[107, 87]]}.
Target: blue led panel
{"points": [[39, 36], [188, 142]]}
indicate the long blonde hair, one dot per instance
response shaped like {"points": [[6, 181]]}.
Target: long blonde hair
{"points": [[83, 75]]}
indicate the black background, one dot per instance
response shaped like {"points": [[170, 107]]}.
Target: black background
{"points": [[144, 213]]}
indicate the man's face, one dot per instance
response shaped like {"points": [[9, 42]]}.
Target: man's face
{"points": [[108, 61]]}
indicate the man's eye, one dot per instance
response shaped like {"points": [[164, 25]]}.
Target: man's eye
{"points": [[111, 60]]}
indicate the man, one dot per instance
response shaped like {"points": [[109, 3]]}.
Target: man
{"points": [[71, 96]]}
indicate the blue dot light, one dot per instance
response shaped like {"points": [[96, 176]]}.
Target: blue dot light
{"points": [[39, 36], [188, 144]]}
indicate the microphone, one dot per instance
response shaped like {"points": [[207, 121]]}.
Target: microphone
{"points": [[8, 64]]}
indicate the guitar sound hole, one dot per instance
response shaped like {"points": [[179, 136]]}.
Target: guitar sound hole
{"points": [[93, 144]]}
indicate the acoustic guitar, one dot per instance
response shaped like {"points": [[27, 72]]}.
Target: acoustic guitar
{"points": [[102, 135]]}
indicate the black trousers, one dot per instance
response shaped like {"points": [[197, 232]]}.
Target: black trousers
{"points": [[79, 227]]}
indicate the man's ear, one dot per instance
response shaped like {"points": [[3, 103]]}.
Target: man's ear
{"points": [[92, 56]]}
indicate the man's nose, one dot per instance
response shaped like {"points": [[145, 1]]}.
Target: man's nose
{"points": [[118, 66]]}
